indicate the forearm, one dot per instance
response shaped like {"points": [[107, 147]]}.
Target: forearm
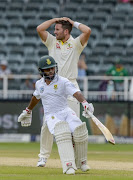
{"points": [[84, 29], [45, 25], [33, 102], [41, 29], [87, 106], [79, 96]]}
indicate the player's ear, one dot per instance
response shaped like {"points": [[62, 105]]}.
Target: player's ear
{"points": [[66, 31]]}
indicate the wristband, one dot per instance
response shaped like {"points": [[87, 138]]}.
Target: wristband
{"points": [[76, 24]]}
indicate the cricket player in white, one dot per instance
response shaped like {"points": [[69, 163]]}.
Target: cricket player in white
{"points": [[61, 120], [66, 51]]}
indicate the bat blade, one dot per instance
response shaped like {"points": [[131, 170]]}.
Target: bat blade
{"points": [[102, 128]]}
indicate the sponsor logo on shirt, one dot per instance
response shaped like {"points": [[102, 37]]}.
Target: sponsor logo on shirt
{"points": [[57, 46], [41, 89]]}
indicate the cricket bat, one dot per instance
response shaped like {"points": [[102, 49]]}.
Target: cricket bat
{"points": [[103, 129]]}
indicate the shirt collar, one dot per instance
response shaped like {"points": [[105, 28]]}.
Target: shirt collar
{"points": [[66, 41], [53, 81]]}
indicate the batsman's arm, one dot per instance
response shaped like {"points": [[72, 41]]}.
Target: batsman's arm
{"points": [[41, 29], [33, 102], [79, 96], [26, 116], [87, 106]]}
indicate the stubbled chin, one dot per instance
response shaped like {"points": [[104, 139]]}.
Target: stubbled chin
{"points": [[58, 38], [51, 75]]}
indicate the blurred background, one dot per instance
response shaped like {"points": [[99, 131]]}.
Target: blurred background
{"points": [[105, 67]]}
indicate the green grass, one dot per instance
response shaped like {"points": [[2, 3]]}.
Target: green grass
{"points": [[121, 152], [98, 152], [32, 173]]}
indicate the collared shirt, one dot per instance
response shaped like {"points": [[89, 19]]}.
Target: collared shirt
{"points": [[65, 54], [54, 96]]}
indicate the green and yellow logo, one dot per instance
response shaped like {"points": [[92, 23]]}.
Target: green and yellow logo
{"points": [[55, 87], [48, 61], [69, 46]]}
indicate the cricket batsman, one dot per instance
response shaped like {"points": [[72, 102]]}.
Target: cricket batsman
{"points": [[61, 120]]}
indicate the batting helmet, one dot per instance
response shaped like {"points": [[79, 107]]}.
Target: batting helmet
{"points": [[47, 62]]}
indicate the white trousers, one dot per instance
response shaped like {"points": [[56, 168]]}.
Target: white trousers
{"points": [[46, 138], [67, 115]]}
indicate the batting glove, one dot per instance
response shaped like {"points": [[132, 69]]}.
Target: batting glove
{"points": [[25, 118], [85, 114], [87, 106]]}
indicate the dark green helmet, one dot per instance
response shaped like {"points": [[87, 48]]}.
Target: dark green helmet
{"points": [[46, 62]]}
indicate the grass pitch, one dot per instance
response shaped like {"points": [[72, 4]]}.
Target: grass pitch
{"points": [[18, 162]]}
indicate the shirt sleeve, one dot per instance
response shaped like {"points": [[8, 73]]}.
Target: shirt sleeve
{"points": [[79, 45], [49, 41], [70, 88], [36, 92]]}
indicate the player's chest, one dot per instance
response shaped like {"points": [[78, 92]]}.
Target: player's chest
{"points": [[51, 90], [65, 48]]}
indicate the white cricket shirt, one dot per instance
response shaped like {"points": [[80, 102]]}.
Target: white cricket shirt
{"points": [[65, 54], [54, 96]]}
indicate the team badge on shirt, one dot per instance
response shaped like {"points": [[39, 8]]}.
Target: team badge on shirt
{"points": [[41, 89], [69, 46], [55, 87]]}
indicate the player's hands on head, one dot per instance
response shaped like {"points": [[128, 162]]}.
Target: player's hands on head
{"points": [[56, 19], [64, 19], [25, 118], [68, 19]]}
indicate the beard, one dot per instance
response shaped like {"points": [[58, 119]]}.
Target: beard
{"points": [[61, 37]]}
